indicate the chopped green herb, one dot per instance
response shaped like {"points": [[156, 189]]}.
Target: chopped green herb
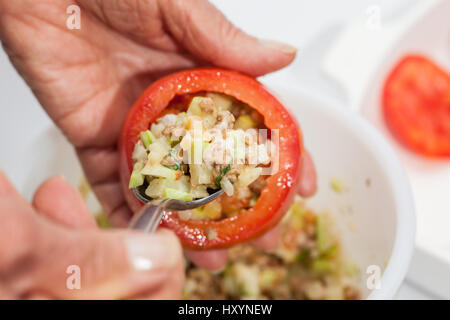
{"points": [[303, 256], [176, 166], [222, 174]]}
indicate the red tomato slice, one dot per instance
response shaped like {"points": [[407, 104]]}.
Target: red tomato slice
{"points": [[416, 103], [281, 187]]}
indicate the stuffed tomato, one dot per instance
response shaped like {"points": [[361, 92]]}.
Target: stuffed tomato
{"points": [[195, 131]]}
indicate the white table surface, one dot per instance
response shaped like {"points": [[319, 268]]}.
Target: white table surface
{"points": [[307, 24]]}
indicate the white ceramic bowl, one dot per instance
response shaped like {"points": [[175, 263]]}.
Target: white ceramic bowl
{"points": [[376, 223], [375, 215]]}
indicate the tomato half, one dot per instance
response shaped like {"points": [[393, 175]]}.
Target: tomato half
{"points": [[281, 187], [416, 103]]}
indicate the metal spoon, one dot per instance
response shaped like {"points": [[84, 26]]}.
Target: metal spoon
{"points": [[148, 217]]}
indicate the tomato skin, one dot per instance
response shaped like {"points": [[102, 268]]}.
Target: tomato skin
{"points": [[416, 106], [281, 187]]}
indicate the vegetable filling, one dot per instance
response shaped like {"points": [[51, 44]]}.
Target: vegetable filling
{"points": [[203, 143]]}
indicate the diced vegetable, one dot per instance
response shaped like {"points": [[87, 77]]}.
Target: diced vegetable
{"points": [[223, 172], [156, 187], [267, 279], [325, 238], [199, 191], [248, 175], [220, 100], [147, 138], [160, 171], [244, 122], [194, 106], [158, 150], [212, 210], [136, 178], [322, 265], [200, 174], [176, 194], [337, 185], [139, 152], [195, 109]]}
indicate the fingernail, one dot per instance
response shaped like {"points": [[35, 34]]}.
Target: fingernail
{"points": [[148, 252], [276, 45]]}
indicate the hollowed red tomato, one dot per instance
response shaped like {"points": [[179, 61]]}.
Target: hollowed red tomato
{"points": [[281, 187]]}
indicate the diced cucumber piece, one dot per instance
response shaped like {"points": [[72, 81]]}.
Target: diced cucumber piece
{"points": [[160, 171], [158, 150], [245, 122], [136, 178], [322, 265], [212, 210], [177, 194], [156, 187], [147, 138], [199, 191], [195, 110], [194, 106], [221, 101], [325, 238], [248, 175], [139, 152], [267, 279], [200, 174], [337, 185]]}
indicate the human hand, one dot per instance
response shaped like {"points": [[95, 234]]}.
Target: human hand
{"points": [[39, 242], [87, 79]]}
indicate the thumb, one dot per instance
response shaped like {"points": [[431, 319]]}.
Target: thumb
{"points": [[206, 33], [44, 259], [95, 264], [56, 199]]}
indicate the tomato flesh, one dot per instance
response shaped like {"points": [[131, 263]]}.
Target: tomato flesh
{"points": [[281, 187], [416, 104]]}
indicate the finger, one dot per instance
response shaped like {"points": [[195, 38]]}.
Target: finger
{"points": [[206, 33], [94, 264], [308, 177], [212, 259], [198, 27], [105, 182], [56, 199], [6, 187], [270, 240]]}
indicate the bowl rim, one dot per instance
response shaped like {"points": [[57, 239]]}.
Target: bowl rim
{"points": [[404, 239]]}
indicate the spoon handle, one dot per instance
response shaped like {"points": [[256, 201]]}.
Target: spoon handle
{"points": [[148, 217]]}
